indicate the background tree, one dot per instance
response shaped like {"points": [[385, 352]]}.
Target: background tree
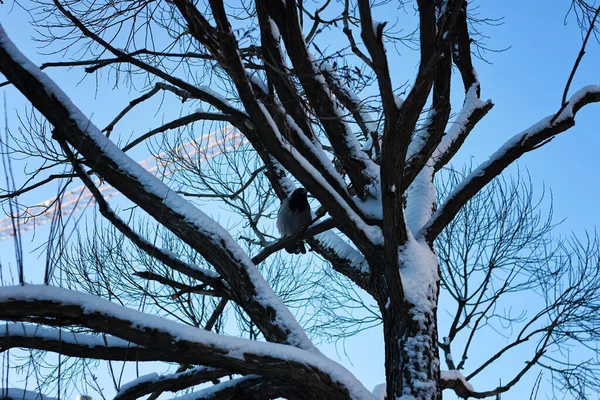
{"points": [[310, 112]]}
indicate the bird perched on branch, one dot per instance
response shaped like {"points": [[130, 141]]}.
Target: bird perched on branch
{"points": [[293, 217]]}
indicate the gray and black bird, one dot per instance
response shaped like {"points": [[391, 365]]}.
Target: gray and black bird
{"points": [[293, 217]]}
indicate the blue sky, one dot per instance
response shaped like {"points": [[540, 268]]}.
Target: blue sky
{"points": [[525, 82]]}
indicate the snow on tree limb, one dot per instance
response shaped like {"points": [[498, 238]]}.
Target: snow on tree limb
{"points": [[248, 387], [75, 344], [472, 111], [425, 140], [47, 304], [421, 197], [170, 382], [455, 381], [530, 139], [355, 105], [356, 163], [190, 224], [263, 130]]}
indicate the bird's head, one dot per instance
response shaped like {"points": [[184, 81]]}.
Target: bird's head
{"points": [[298, 200], [299, 193]]}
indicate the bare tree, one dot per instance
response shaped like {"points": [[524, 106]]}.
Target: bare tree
{"points": [[266, 69]]}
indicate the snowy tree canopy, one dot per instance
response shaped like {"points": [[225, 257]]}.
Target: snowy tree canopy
{"points": [[330, 117]]}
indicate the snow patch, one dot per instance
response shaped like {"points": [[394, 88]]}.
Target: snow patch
{"points": [[399, 101], [455, 375], [419, 277], [65, 336], [149, 378], [333, 242], [420, 200]]}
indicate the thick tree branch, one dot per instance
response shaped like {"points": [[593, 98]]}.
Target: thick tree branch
{"points": [[355, 162], [268, 137], [315, 375], [398, 133], [461, 51], [372, 35], [251, 387], [425, 142], [80, 345], [171, 382], [533, 137], [289, 112], [190, 224]]}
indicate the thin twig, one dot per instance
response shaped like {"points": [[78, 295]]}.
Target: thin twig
{"points": [[348, 32], [36, 185], [197, 116], [575, 66], [231, 196]]}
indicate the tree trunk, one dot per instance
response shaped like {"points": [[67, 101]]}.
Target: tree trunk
{"points": [[411, 351]]}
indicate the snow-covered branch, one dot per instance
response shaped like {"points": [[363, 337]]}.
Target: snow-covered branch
{"points": [[47, 304], [421, 197], [248, 387], [359, 167], [356, 106], [472, 111], [170, 382], [72, 344], [530, 139], [455, 381], [426, 140], [194, 227], [287, 109]]}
